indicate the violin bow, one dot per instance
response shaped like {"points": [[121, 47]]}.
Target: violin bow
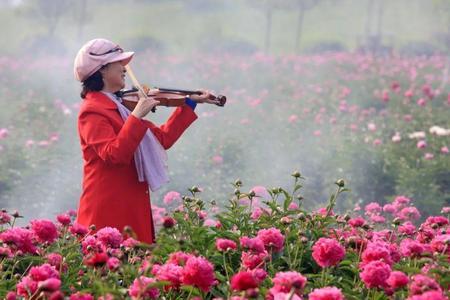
{"points": [[136, 83]]}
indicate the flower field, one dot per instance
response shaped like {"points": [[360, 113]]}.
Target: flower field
{"points": [[261, 245], [381, 123]]}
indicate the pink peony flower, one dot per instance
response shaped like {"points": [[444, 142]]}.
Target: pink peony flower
{"points": [[409, 213], [356, 222], [225, 245], [141, 288], [179, 258], [113, 263], [441, 243], [272, 238], [397, 280], [293, 206], [4, 218], [217, 159], [78, 229], [328, 252], [430, 295], [11, 296], [51, 284], [45, 230], [254, 244], [421, 144], [421, 102], [438, 221], [3, 133], [372, 208], [375, 251], [169, 272], [284, 282], [44, 276], [326, 293], [252, 260], [421, 283], [110, 237], [19, 238], [26, 287], [64, 219], [375, 274], [402, 200], [428, 156], [444, 150], [199, 272], [172, 197], [55, 259], [407, 228]]}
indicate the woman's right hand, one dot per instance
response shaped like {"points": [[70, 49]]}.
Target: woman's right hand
{"points": [[144, 106]]}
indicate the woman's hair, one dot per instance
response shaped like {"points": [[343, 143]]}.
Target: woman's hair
{"points": [[93, 83]]}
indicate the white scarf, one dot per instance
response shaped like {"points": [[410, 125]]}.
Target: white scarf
{"points": [[150, 157]]}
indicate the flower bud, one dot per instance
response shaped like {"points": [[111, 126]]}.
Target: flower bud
{"points": [[238, 183], [340, 182], [397, 221], [296, 174], [195, 189]]}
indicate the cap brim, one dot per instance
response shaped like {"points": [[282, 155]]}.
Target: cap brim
{"points": [[124, 58]]}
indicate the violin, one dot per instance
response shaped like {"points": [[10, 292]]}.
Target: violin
{"points": [[166, 96]]}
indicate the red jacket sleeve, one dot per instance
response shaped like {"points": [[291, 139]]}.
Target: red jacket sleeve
{"points": [[97, 132], [178, 122]]}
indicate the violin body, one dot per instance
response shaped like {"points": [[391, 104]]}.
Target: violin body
{"points": [[166, 97]]}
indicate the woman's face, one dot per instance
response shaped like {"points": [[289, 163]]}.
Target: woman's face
{"points": [[114, 75]]}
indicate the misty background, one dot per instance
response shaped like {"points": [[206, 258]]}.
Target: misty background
{"points": [[254, 52]]}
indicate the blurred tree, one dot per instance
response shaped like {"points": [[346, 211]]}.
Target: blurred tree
{"points": [[48, 12], [374, 24], [442, 9], [268, 7], [81, 16], [302, 6]]}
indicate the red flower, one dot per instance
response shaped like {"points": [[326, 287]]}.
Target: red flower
{"points": [[168, 222], [243, 281], [96, 259]]}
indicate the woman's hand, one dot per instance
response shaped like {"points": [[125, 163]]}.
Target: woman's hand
{"points": [[144, 106], [204, 97]]}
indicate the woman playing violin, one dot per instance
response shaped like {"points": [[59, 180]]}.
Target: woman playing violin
{"points": [[123, 154]]}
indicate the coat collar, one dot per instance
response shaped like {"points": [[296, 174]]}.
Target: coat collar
{"points": [[100, 100]]}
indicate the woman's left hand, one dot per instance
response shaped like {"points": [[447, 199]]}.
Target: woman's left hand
{"points": [[204, 97]]}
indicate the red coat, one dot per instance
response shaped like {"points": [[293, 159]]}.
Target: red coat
{"points": [[112, 195]]}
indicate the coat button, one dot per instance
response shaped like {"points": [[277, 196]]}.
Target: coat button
{"points": [[146, 192]]}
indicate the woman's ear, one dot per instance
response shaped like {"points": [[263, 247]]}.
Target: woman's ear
{"points": [[103, 69]]}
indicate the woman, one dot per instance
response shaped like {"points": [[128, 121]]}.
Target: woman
{"points": [[123, 154]]}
